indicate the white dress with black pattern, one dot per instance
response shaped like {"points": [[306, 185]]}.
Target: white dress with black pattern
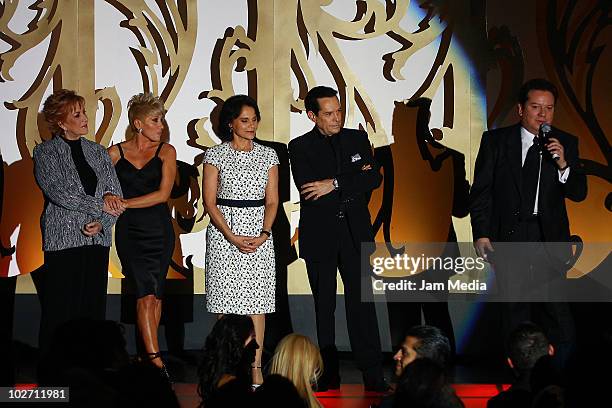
{"points": [[235, 282]]}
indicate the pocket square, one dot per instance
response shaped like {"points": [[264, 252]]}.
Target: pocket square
{"points": [[355, 158]]}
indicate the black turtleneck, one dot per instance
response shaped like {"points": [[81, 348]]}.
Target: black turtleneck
{"points": [[88, 177]]}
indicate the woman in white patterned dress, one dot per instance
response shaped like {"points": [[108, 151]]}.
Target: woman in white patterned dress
{"points": [[241, 197]]}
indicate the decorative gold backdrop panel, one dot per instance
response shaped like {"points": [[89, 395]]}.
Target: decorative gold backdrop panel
{"points": [[195, 54]]}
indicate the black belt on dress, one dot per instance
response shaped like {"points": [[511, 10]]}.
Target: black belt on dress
{"points": [[240, 203]]}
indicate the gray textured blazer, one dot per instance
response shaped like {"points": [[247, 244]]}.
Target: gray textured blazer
{"points": [[67, 207]]}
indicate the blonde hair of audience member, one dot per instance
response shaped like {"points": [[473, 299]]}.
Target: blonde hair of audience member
{"points": [[298, 359]]}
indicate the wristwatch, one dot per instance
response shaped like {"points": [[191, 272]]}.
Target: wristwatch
{"points": [[335, 183]]}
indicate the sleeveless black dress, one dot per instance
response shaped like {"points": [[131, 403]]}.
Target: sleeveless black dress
{"points": [[144, 236]]}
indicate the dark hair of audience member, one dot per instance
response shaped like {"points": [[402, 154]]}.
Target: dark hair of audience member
{"points": [[226, 355], [278, 391], [526, 344], [423, 384], [432, 343]]}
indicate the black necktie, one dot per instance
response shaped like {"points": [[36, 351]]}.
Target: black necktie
{"points": [[529, 178]]}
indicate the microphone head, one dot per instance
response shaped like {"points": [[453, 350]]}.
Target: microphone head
{"points": [[545, 128]]}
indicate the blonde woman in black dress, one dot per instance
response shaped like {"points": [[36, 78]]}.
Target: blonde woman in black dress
{"points": [[146, 168]]}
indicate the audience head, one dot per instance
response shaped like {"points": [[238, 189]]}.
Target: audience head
{"points": [[64, 112], [422, 342], [424, 384], [278, 391], [323, 108], [229, 350], [239, 115], [297, 358], [526, 345]]}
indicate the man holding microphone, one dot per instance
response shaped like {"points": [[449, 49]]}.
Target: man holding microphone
{"points": [[521, 181]]}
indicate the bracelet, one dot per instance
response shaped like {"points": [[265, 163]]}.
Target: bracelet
{"points": [[268, 233]]}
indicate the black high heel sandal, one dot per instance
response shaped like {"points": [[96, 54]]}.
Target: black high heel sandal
{"points": [[163, 370]]}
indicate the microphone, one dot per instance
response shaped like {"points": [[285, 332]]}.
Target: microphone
{"points": [[544, 135]]}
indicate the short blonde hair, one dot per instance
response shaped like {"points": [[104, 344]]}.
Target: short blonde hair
{"points": [[142, 105], [298, 359], [58, 105]]}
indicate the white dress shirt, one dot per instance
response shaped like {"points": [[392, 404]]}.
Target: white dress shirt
{"points": [[526, 142]]}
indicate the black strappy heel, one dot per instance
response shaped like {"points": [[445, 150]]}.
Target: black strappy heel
{"points": [[163, 370]]}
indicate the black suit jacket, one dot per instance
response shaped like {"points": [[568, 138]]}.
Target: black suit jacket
{"points": [[313, 160], [495, 197]]}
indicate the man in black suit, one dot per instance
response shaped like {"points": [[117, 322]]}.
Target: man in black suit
{"points": [[518, 195], [335, 172]]}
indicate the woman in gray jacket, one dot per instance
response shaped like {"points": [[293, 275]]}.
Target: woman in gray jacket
{"points": [[82, 201]]}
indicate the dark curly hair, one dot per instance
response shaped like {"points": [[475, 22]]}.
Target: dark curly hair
{"points": [[225, 353], [231, 110]]}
